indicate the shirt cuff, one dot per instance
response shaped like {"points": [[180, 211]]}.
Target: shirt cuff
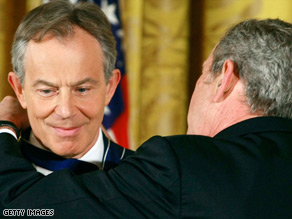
{"points": [[9, 131]]}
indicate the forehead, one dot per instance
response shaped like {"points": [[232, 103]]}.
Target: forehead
{"points": [[79, 38], [73, 56]]}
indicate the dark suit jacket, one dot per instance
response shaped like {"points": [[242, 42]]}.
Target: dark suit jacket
{"points": [[243, 172]]}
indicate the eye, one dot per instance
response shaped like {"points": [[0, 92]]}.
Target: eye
{"points": [[47, 92], [82, 90]]}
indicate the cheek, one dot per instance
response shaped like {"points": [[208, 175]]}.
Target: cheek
{"points": [[38, 111], [197, 102], [94, 112], [37, 108], [191, 108], [93, 109], [194, 98]]}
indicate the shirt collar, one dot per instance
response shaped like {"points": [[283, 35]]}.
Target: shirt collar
{"points": [[94, 155]]}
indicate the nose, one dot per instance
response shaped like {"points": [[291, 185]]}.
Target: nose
{"points": [[65, 107]]}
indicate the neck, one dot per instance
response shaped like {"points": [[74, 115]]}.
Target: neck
{"points": [[228, 117], [222, 114]]}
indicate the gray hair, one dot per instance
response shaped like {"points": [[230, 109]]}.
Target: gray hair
{"points": [[59, 18], [262, 52]]}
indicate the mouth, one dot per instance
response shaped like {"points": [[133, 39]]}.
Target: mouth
{"points": [[67, 132]]}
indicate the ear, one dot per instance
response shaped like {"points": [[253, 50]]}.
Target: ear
{"points": [[226, 81], [14, 81], [112, 85]]}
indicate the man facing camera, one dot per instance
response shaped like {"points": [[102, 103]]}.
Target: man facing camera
{"points": [[63, 58]]}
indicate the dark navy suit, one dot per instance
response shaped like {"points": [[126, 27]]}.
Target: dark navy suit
{"points": [[242, 172]]}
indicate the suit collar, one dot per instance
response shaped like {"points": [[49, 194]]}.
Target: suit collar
{"points": [[258, 124]]}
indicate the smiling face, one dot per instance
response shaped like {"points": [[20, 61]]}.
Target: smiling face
{"points": [[65, 92]]}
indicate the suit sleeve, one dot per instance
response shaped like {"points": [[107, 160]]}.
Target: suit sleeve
{"points": [[145, 184]]}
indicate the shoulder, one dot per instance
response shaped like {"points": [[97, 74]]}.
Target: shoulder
{"points": [[172, 146], [156, 145], [188, 144], [156, 159]]}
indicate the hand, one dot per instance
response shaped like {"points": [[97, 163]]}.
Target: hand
{"points": [[11, 110]]}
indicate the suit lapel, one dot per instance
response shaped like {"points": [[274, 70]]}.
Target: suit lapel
{"points": [[113, 153]]}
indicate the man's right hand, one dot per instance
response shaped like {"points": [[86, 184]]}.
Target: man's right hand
{"points": [[11, 110]]}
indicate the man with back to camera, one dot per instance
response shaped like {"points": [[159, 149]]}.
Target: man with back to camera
{"points": [[235, 162], [63, 58]]}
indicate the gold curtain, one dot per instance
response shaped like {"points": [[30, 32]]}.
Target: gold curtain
{"points": [[8, 20], [221, 14], [156, 45], [31, 4], [11, 12]]}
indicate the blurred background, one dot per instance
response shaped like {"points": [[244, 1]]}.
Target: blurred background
{"points": [[164, 43]]}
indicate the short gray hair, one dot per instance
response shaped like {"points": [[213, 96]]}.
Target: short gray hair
{"points": [[59, 18], [262, 52]]}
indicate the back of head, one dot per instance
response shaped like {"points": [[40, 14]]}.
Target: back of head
{"points": [[58, 18], [262, 53]]}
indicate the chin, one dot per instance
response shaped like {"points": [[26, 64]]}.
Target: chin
{"points": [[66, 150]]}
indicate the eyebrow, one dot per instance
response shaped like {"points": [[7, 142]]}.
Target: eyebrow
{"points": [[78, 83], [36, 83], [85, 80]]}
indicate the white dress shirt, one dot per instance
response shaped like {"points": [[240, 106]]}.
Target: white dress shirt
{"points": [[94, 155]]}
